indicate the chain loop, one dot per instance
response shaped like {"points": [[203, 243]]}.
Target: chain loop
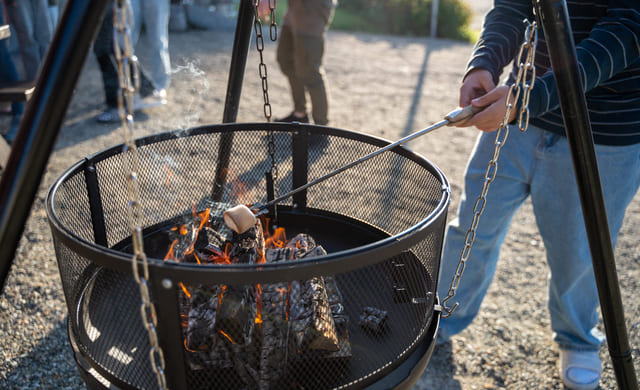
{"points": [[262, 71], [127, 70], [526, 69]]}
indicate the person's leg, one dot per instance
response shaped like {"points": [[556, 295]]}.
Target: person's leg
{"points": [[42, 27], [506, 194], [103, 51], [9, 73], [573, 295], [54, 15], [155, 14], [22, 22], [309, 51], [138, 20], [285, 56]]}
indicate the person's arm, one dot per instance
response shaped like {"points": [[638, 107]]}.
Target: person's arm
{"points": [[501, 37], [498, 44], [612, 45]]}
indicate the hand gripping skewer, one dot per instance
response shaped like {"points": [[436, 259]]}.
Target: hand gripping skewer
{"points": [[240, 218]]}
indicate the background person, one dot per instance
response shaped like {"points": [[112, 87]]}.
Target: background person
{"points": [[301, 44]]}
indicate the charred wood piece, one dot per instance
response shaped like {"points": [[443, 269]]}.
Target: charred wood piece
{"points": [[312, 322], [277, 343], [373, 320], [237, 309]]}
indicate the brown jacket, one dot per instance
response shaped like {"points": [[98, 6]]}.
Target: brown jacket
{"points": [[309, 16]]}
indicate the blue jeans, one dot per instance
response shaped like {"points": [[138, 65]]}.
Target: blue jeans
{"points": [[537, 164], [32, 24], [9, 73], [154, 15]]}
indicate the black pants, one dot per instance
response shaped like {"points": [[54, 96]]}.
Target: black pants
{"points": [[103, 50]]}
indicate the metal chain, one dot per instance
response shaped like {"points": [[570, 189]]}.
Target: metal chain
{"points": [[526, 69], [127, 67], [262, 69]]}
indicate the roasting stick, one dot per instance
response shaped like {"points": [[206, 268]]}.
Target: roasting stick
{"points": [[240, 218]]}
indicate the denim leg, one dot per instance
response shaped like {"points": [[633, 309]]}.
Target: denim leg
{"points": [[573, 295], [155, 16], [22, 22], [506, 194], [9, 73], [43, 29]]}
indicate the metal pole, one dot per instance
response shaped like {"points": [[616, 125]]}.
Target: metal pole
{"points": [[41, 121], [562, 54], [234, 88], [434, 18]]}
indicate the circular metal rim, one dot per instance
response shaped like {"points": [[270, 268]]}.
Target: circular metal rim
{"points": [[342, 261]]}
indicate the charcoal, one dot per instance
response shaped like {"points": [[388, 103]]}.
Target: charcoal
{"points": [[373, 320]]}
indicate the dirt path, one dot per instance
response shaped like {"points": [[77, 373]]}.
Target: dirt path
{"points": [[379, 85]]}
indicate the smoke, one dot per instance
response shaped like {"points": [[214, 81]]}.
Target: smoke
{"points": [[190, 75]]}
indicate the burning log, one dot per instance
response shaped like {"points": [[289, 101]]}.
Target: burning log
{"points": [[335, 301], [313, 324], [260, 331], [237, 308], [276, 339]]}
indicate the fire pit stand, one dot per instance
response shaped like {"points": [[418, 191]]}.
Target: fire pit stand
{"points": [[381, 224]]}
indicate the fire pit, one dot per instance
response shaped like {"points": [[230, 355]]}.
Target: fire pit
{"points": [[365, 289]]}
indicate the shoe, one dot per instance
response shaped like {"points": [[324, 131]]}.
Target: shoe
{"points": [[293, 118], [157, 98], [110, 115], [580, 370]]}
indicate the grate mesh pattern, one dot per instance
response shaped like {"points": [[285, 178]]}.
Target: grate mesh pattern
{"points": [[382, 220]]}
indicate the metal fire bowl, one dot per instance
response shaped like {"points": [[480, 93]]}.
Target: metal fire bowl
{"points": [[382, 224]]}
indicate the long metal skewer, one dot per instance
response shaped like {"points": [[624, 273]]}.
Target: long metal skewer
{"points": [[455, 116]]}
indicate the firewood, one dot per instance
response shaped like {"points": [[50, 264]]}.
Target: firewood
{"points": [[313, 324], [277, 343]]}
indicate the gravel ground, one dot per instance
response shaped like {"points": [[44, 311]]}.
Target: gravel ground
{"points": [[380, 85]]}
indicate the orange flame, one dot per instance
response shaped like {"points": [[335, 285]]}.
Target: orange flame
{"points": [[236, 187], [169, 173], [170, 254], [186, 292], [227, 336], [187, 348], [258, 319], [277, 240]]}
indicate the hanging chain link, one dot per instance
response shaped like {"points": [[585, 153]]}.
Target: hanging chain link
{"points": [[128, 69], [526, 70], [262, 68]]}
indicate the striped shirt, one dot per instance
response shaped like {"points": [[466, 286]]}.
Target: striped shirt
{"points": [[607, 38]]}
